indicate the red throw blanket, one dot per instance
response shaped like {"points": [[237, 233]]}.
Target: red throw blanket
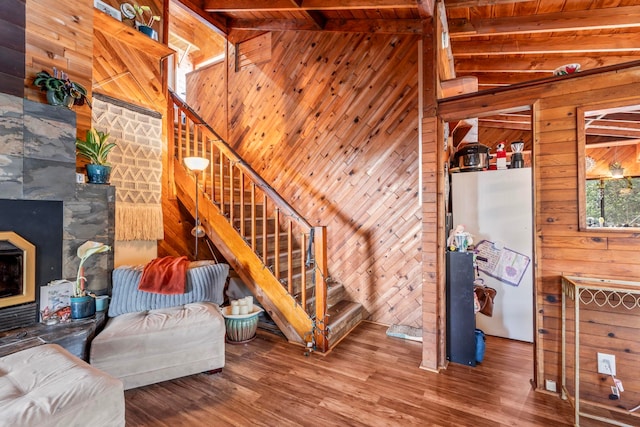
{"points": [[167, 276]]}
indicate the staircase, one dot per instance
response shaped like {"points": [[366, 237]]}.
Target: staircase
{"points": [[279, 256]]}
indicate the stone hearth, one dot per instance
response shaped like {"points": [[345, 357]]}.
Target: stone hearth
{"points": [[38, 162]]}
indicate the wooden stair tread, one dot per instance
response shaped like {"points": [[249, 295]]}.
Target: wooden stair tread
{"points": [[343, 317]]}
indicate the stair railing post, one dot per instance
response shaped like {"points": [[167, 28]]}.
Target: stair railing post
{"points": [[171, 146], [320, 254]]}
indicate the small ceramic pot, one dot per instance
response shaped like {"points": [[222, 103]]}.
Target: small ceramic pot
{"points": [[102, 302], [82, 307], [52, 99], [148, 31]]}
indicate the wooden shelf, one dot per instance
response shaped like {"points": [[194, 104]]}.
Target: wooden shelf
{"points": [[129, 35]]}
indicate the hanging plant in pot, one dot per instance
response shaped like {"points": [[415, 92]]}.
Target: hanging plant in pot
{"points": [[82, 304], [95, 149], [61, 90]]}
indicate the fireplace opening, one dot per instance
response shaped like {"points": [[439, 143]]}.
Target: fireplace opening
{"points": [[35, 227], [11, 276], [17, 270]]}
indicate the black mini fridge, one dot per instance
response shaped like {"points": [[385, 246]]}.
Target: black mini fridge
{"points": [[461, 319]]}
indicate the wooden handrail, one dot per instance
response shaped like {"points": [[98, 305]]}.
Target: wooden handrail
{"points": [[239, 162], [231, 185]]}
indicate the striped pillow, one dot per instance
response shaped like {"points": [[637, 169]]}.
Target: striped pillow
{"points": [[204, 283]]}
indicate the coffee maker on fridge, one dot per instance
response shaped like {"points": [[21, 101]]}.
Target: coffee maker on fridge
{"points": [[517, 160]]}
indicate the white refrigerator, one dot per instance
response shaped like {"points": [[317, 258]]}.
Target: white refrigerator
{"points": [[496, 208]]}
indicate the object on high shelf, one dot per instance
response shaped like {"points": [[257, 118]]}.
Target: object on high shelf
{"points": [[517, 160], [472, 157], [567, 69], [109, 10], [501, 156]]}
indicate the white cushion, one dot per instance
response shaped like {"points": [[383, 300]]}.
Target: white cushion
{"points": [[157, 345], [48, 386]]}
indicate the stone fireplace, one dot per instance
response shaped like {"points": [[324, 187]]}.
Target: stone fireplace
{"points": [[43, 204], [17, 270]]}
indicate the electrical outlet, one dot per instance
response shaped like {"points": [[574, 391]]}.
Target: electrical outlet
{"points": [[550, 385], [606, 364]]}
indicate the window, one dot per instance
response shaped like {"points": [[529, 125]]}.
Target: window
{"points": [[613, 202]]}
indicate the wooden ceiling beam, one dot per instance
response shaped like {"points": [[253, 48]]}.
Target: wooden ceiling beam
{"points": [[618, 133], [216, 22], [446, 69], [619, 42], [538, 64], [504, 125], [382, 26], [595, 19], [452, 4], [317, 18], [426, 8], [612, 143], [273, 24], [289, 5], [505, 79]]}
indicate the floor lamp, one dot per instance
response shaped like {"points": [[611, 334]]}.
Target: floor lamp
{"points": [[196, 165]]}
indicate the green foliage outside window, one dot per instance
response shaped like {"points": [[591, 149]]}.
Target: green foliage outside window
{"points": [[615, 200]]}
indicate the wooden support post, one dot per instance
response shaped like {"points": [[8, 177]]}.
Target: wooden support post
{"points": [[276, 249], [290, 257], [303, 271], [320, 254]]}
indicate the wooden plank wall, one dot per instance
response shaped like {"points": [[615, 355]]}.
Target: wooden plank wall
{"points": [[331, 122], [12, 47], [128, 73], [60, 37], [126, 65], [211, 81], [560, 247]]}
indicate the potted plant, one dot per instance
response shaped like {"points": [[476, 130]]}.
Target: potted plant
{"points": [[61, 90], [95, 149], [143, 16], [82, 304]]}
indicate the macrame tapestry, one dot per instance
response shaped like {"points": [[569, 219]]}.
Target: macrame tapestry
{"points": [[136, 167]]}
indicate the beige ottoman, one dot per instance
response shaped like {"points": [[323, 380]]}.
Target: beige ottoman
{"points": [[48, 386], [157, 345]]}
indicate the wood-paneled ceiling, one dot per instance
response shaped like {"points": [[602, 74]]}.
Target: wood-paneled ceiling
{"points": [[501, 42], [498, 42]]}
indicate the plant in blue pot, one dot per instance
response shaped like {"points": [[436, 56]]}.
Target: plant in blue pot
{"points": [[95, 148], [82, 304], [144, 19]]}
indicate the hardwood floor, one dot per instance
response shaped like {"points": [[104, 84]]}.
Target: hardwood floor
{"points": [[368, 380]]}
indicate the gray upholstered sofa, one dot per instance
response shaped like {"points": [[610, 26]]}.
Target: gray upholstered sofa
{"points": [[46, 385], [152, 337]]}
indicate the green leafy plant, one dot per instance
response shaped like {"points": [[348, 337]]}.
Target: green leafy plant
{"points": [[63, 90], [95, 147], [145, 15]]}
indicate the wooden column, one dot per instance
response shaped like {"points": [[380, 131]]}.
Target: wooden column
{"points": [[432, 208]]}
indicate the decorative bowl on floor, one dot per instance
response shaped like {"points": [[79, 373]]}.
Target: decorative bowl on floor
{"points": [[241, 328]]}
